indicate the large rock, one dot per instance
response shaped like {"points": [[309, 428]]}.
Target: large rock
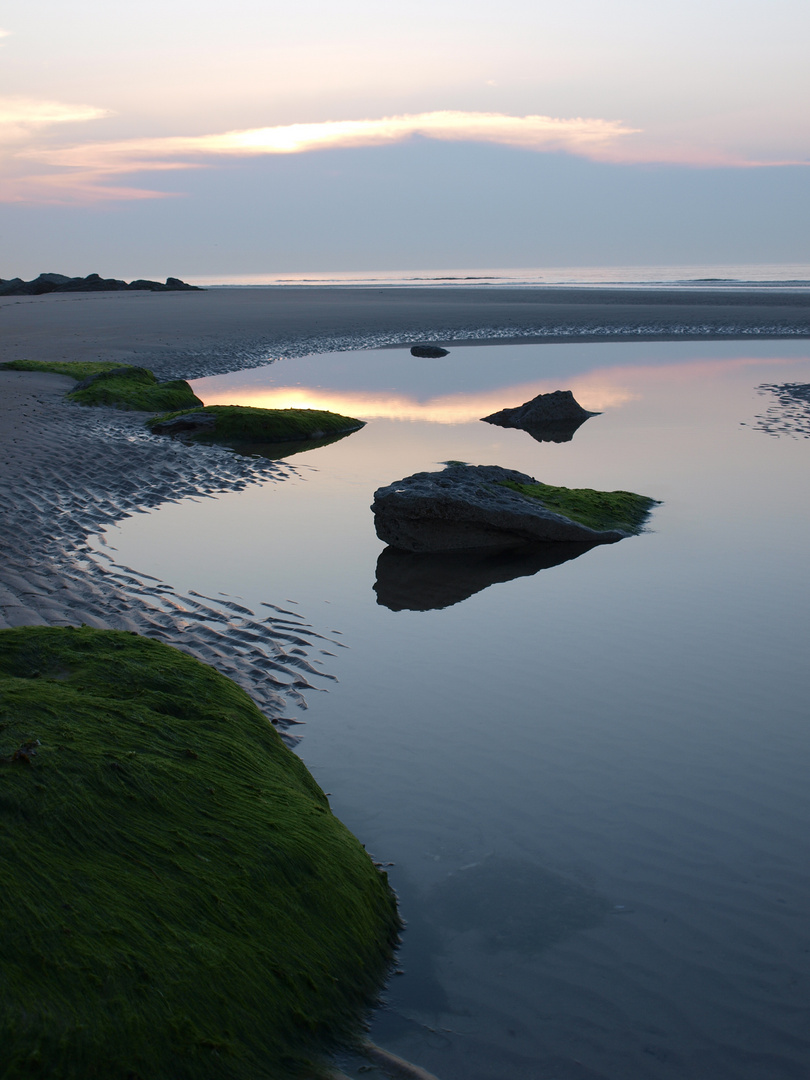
{"points": [[550, 417], [468, 506]]}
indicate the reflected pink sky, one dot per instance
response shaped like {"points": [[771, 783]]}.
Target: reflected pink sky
{"points": [[599, 390]]}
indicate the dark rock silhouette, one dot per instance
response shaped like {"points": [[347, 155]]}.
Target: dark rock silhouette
{"points": [[550, 417], [48, 283], [470, 506], [412, 581], [430, 352]]}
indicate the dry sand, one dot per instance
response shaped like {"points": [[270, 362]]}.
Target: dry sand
{"points": [[70, 471]]}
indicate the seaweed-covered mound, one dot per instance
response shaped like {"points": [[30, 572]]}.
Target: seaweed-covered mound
{"points": [[111, 384], [178, 901], [243, 423], [486, 506], [48, 283]]}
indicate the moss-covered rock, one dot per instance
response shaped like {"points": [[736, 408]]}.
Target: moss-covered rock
{"points": [[177, 899], [466, 507], [598, 510], [242, 423], [111, 384]]}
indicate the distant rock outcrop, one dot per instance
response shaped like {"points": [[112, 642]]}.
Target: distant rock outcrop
{"points": [[472, 506], [550, 417], [48, 283], [429, 352]]}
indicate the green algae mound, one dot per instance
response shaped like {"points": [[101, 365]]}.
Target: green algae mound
{"points": [[246, 424], [600, 510], [111, 384], [178, 900]]}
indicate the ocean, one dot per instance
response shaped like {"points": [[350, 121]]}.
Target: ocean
{"points": [[721, 276]]}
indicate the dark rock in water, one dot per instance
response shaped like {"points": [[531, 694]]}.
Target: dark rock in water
{"points": [[48, 283], [198, 422], [425, 581], [430, 352], [469, 506], [548, 417]]}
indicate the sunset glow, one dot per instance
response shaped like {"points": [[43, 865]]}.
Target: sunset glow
{"points": [[250, 140], [89, 166]]}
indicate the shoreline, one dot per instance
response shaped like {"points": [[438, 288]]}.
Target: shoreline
{"points": [[71, 471], [190, 335]]}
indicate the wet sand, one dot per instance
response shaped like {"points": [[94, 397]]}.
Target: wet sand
{"points": [[69, 471], [193, 334]]}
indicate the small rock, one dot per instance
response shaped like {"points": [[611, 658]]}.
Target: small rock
{"points": [[550, 417], [430, 352]]}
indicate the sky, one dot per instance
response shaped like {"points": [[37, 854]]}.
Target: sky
{"points": [[200, 138]]}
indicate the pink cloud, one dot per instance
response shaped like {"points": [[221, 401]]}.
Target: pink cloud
{"points": [[89, 171]]}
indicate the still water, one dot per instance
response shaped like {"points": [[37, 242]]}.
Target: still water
{"points": [[591, 778]]}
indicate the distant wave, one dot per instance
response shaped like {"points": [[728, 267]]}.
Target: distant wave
{"points": [[756, 276]]}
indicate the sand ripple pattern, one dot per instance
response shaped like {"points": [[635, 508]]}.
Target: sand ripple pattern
{"points": [[789, 414], [68, 472], [223, 358]]}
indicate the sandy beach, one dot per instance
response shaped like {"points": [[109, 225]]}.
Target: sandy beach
{"points": [[69, 471], [183, 335]]}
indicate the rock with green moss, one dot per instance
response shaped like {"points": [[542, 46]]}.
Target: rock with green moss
{"points": [[234, 424], [128, 387], [486, 506], [178, 901]]}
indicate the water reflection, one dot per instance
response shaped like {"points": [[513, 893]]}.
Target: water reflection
{"points": [[416, 581], [276, 451], [558, 433]]}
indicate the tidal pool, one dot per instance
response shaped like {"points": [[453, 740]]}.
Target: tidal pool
{"points": [[589, 771]]}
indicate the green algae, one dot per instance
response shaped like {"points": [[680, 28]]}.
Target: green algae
{"points": [[82, 369], [178, 900], [235, 423], [129, 387], [600, 510]]}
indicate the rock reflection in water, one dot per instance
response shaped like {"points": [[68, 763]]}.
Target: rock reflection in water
{"points": [[554, 432], [414, 581], [515, 905], [277, 451]]}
